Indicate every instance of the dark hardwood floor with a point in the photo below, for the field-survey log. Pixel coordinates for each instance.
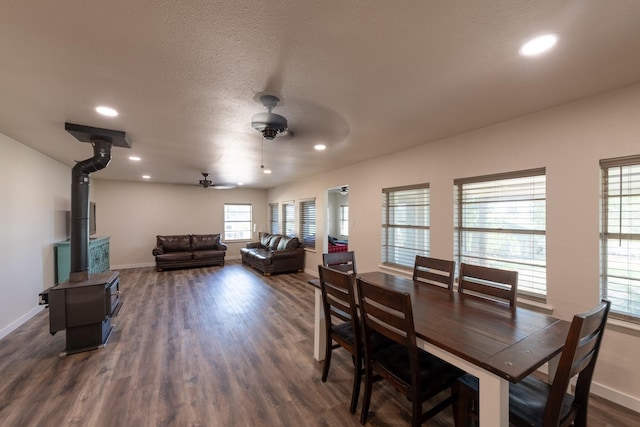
(218, 346)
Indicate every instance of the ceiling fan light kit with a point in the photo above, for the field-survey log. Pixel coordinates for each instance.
(269, 124)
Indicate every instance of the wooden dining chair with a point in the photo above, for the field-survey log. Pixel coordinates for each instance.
(533, 402)
(415, 373)
(341, 261)
(342, 325)
(434, 271)
(489, 283)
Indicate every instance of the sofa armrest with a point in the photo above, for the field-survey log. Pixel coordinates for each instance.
(157, 251)
(222, 247)
(254, 245)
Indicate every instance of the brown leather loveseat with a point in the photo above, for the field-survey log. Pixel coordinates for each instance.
(189, 250)
(274, 253)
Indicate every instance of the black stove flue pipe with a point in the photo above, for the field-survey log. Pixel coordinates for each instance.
(80, 208)
(102, 140)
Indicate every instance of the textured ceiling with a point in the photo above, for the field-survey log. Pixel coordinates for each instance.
(364, 77)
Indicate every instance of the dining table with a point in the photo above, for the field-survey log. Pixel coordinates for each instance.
(496, 343)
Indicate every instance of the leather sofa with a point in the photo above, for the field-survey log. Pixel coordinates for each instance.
(274, 253)
(189, 250)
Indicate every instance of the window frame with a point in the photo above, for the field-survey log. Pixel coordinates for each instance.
(344, 222)
(289, 224)
(392, 232)
(308, 220)
(631, 290)
(249, 222)
(533, 268)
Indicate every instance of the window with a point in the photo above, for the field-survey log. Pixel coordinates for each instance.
(620, 236)
(405, 224)
(344, 220)
(308, 223)
(288, 218)
(274, 224)
(501, 222)
(237, 222)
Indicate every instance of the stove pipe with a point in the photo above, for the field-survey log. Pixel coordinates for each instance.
(102, 140)
(80, 208)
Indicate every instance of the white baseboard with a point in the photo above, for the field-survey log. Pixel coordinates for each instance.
(233, 257)
(125, 266)
(314, 273)
(616, 396)
(20, 321)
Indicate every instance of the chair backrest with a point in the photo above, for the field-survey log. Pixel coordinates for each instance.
(578, 357)
(389, 313)
(338, 298)
(341, 261)
(434, 271)
(490, 283)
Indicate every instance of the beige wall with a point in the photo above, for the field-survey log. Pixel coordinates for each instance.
(34, 196)
(132, 214)
(569, 141)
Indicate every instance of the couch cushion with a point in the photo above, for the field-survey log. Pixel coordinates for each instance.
(273, 242)
(174, 243)
(288, 243)
(207, 254)
(264, 239)
(174, 256)
(201, 242)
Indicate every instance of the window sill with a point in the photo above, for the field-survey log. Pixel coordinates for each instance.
(401, 271)
(621, 326)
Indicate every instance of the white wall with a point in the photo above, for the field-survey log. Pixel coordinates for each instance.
(34, 196)
(569, 141)
(133, 213)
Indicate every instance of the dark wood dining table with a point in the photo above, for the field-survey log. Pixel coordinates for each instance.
(489, 340)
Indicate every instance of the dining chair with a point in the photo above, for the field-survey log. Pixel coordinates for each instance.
(342, 261)
(489, 283)
(533, 402)
(342, 325)
(434, 271)
(412, 371)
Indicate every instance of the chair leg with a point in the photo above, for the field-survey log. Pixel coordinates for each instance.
(463, 401)
(416, 407)
(327, 359)
(357, 379)
(368, 380)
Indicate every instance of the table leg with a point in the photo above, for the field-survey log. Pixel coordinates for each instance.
(319, 333)
(494, 400)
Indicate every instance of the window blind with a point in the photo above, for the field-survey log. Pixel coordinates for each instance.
(274, 224)
(344, 220)
(501, 222)
(288, 218)
(620, 236)
(405, 224)
(308, 223)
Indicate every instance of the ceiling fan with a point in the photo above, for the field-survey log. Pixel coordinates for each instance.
(207, 183)
(269, 124)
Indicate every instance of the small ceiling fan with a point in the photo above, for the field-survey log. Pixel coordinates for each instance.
(207, 183)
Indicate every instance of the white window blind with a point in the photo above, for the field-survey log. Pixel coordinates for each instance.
(620, 236)
(308, 223)
(237, 222)
(344, 220)
(405, 224)
(288, 218)
(274, 224)
(501, 223)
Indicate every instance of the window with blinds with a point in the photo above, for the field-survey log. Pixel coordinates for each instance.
(308, 223)
(620, 236)
(344, 220)
(405, 224)
(500, 222)
(237, 222)
(288, 218)
(274, 223)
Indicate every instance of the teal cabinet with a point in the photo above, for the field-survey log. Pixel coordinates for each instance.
(98, 258)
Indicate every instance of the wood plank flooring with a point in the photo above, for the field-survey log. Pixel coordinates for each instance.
(218, 346)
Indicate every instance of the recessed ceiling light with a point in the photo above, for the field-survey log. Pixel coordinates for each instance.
(241, 183)
(266, 171)
(320, 147)
(146, 177)
(134, 158)
(106, 111)
(539, 45)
